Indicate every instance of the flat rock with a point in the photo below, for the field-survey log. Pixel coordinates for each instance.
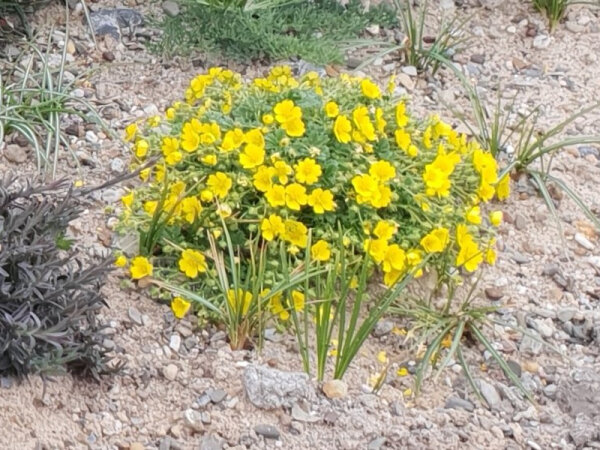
(170, 8)
(335, 389)
(494, 293)
(15, 154)
(583, 241)
(490, 394)
(211, 442)
(455, 402)
(269, 388)
(268, 431)
(170, 372)
(135, 315)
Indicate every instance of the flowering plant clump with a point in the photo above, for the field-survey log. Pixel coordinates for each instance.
(298, 162)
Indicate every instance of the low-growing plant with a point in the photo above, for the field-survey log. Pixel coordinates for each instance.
(526, 146)
(312, 31)
(49, 299)
(35, 100)
(555, 10)
(277, 159)
(421, 48)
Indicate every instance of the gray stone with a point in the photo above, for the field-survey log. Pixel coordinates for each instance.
(170, 372)
(268, 431)
(91, 137)
(550, 391)
(301, 415)
(382, 328)
(566, 314)
(494, 293)
(268, 388)
(490, 394)
(135, 315)
(544, 327)
(583, 241)
(175, 342)
(15, 154)
(193, 420)
(376, 443)
(550, 269)
(170, 8)
(478, 59)
(455, 402)
(541, 41)
(519, 258)
(6, 382)
(531, 345)
(217, 395)
(520, 222)
(211, 442)
(410, 70)
(584, 430)
(117, 165)
(111, 21)
(515, 367)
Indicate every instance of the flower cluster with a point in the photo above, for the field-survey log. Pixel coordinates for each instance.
(309, 161)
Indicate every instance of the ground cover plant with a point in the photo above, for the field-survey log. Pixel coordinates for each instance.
(555, 10)
(285, 176)
(48, 298)
(312, 31)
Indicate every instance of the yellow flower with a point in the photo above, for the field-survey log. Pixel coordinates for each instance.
(153, 121)
(141, 148)
(382, 198)
(332, 109)
(263, 178)
(342, 129)
(382, 171)
(140, 268)
(394, 259)
(224, 210)
(190, 208)
(370, 89)
(320, 251)
(380, 122)
(206, 195)
(130, 131)
(503, 188)
(170, 113)
(469, 255)
(436, 240)
(298, 300)
(276, 306)
(436, 181)
(402, 372)
(401, 117)
(232, 140)
(180, 307)
(496, 218)
(321, 201)
(362, 122)
(376, 248)
(490, 256)
(190, 139)
(290, 117)
(391, 84)
(474, 215)
(268, 119)
(295, 232)
(192, 262)
(382, 357)
(295, 196)
(272, 227)
(276, 196)
(252, 156)
(391, 278)
(169, 145)
(485, 191)
(150, 207)
(403, 140)
(127, 199)
(209, 160)
(209, 133)
(308, 171)
(366, 188)
(282, 170)
(239, 301)
(294, 127)
(385, 230)
(219, 184)
(120, 261)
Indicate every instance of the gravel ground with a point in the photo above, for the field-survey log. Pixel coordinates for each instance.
(183, 388)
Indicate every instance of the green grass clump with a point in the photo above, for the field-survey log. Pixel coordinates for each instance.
(313, 31)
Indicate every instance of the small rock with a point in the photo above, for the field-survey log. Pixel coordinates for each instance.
(455, 402)
(584, 430)
(520, 222)
(410, 70)
(494, 293)
(331, 417)
(376, 443)
(373, 30)
(301, 415)
(15, 154)
(117, 165)
(269, 388)
(550, 391)
(175, 342)
(490, 394)
(406, 81)
(531, 366)
(170, 8)
(108, 56)
(544, 327)
(574, 27)
(170, 372)
(530, 345)
(91, 137)
(566, 314)
(335, 389)
(583, 241)
(352, 63)
(268, 431)
(136, 446)
(78, 93)
(193, 420)
(135, 315)
(541, 41)
(477, 59)
(515, 367)
(382, 328)
(550, 269)
(511, 29)
(71, 47)
(217, 395)
(6, 382)
(211, 442)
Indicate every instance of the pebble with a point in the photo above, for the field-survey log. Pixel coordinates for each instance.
(511, 29)
(175, 342)
(530, 345)
(91, 137)
(217, 395)
(382, 328)
(335, 389)
(490, 394)
(406, 81)
(455, 402)
(301, 415)
(117, 165)
(493, 293)
(108, 56)
(170, 8)
(550, 391)
(376, 443)
(269, 388)
(541, 41)
(566, 314)
(136, 446)
(268, 431)
(6, 382)
(211, 442)
(193, 420)
(520, 222)
(477, 59)
(170, 372)
(410, 70)
(583, 241)
(519, 258)
(574, 27)
(15, 154)
(135, 315)
(515, 367)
